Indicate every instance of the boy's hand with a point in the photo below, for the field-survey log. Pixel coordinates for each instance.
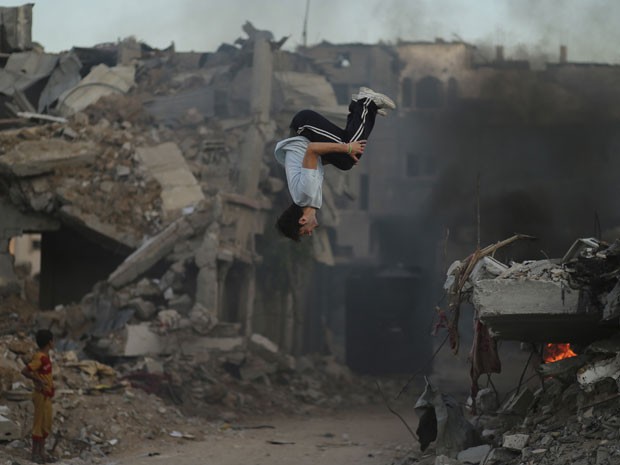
(357, 148)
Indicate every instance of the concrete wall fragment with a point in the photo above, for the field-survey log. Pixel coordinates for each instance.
(179, 187)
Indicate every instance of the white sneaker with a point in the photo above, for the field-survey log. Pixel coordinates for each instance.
(381, 100)
(381, 112)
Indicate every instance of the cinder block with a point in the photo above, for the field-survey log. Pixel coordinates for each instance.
(9, 431)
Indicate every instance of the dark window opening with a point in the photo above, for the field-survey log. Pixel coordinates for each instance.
(429, 93)
(71, 264)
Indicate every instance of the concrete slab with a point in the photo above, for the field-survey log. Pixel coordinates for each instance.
(36, 157)
(515, 441)
(474, 454)
(166, 164)
(142, 341)
(101, 81)
(150, 253)
(90, 223)
(193, 346)
(532, 310)
(590, 374)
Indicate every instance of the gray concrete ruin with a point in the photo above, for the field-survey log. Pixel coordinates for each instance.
(111, 110)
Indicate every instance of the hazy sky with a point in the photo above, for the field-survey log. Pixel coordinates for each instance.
(589, 28)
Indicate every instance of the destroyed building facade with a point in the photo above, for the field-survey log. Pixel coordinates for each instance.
(198, 128)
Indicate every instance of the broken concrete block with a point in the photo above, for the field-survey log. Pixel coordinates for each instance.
(263, 347)
(486, 401)
(152, 365)
(487, 268)
(203, 320)
(150, 253)
(146, 288)
(583, 246)
(565, 368)
(9, 430)
(143, 309)
(171, 320)
(531, 310)
(592, 373)
(499, 456)
(36, 157)
(101, 81)
(73, 215)
(473, 454)
(140, 341)
(515, 442)
(179, 187)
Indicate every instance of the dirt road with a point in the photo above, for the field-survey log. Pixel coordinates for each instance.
(371, 436)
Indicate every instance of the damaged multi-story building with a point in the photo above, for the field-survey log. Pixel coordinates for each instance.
(157, 166)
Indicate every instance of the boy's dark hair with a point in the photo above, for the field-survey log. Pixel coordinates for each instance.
(288, 222)
(44, 337)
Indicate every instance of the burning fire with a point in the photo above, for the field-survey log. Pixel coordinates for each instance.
(555, 352)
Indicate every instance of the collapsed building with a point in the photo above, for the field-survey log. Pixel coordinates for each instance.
(144, 179)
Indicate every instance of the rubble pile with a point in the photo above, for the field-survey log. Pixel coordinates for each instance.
(100, 409)
(120, 191)
(96, 411)
(121, 143)
(567, 412)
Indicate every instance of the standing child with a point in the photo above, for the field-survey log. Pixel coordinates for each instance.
(39, 370)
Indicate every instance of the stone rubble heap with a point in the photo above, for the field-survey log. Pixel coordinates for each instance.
(567, 412)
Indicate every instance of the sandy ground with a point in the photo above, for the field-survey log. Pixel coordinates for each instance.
(369, 435)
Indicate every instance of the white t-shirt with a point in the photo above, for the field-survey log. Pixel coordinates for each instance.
(304, 184)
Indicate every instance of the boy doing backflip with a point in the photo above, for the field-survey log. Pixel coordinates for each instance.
(314, 142)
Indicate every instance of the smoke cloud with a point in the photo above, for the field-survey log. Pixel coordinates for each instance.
(587, 27)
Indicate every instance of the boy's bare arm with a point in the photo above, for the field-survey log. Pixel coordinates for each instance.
(26, 372)
(318, 149)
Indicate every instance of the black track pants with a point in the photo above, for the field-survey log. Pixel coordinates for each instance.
(316, 128)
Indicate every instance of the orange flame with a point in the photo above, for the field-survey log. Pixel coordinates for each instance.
(555, 352)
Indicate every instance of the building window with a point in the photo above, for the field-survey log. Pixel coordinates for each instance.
(429, 93)
(407, 92)
(343, 60)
